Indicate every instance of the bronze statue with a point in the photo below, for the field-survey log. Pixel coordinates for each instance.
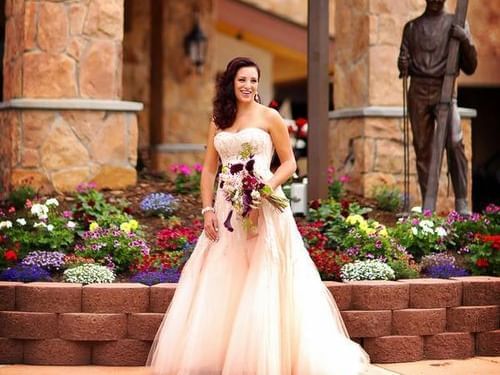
(423, 57)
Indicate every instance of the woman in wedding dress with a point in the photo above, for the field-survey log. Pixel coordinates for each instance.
(250, 301)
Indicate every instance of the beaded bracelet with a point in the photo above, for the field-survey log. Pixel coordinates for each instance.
(206, 209)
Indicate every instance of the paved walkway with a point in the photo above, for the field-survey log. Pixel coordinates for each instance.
(471, 366)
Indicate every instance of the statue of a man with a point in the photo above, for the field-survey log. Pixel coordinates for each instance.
(423, 56)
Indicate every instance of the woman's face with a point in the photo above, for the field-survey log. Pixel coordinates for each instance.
(245, 84)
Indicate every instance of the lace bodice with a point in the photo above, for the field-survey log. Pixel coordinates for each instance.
(229, 145)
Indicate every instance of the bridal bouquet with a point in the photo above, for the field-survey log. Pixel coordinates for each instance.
(244, 188)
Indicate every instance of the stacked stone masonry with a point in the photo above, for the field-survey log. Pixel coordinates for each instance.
(63, 49)
(370, 151)
(58, 149)
(114, 324)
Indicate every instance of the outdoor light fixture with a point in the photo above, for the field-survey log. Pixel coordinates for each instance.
(195, 45)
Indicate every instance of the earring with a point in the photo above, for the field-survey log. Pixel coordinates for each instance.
(257, 98)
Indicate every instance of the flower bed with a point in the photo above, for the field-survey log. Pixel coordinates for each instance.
(114, 324)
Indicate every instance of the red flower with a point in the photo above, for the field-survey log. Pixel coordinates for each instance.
(10, 256)
(482, 263)
(300, 122)
(315, 204)
(274, 104)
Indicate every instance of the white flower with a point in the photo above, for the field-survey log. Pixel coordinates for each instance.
(5, 224)
(441, 232)
(50, 227)
(255, 194)
(426, 223)
(21, 221)
(40, 210)
(52, 202)
(71, 224)
(414, 231)
(417, 209)
(40, 224)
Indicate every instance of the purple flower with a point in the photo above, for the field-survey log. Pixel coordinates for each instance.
(198, 167)
(227, 222)
(445, 271)
(25, 273)
(352, 251)
(49, 260)
(427, 213)
(235, 168)
(67, 214)
(158, 203)
(415, 222)
(378, 244)
(155, 277)
(249, 165)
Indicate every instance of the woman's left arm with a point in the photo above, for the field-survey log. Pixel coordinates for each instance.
(281, 141)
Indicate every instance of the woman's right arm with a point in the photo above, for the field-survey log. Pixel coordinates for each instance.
(207, 181)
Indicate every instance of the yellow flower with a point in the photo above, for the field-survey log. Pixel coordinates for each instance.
(354, 219)
(370, 230)
(134, 224)
(93, 226)
(126, 227)
(384, 233)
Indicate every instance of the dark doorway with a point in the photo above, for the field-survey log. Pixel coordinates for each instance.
(485, 143)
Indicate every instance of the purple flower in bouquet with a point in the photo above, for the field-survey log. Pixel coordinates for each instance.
(244, 188)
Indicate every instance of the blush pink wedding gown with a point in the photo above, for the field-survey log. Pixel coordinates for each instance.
(253, 306)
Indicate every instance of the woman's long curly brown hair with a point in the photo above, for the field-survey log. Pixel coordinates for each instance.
(225, 100)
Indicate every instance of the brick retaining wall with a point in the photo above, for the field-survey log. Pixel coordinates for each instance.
(114, 324)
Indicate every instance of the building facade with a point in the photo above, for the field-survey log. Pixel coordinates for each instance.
(75, 72)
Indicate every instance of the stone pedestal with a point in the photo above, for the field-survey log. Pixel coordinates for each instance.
(367, 145)
(366, 129)
(62, 116)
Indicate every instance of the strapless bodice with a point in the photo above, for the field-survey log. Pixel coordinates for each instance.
(229, 145)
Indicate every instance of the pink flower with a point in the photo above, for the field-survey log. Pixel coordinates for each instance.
(344, 179)
(185, 170)
(11, 210)
(28, 203)
(198, 167)
(67, 214)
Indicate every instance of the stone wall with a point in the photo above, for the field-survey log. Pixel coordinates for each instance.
(114, 324)
(369, 149)
(62, 85)
(58, 149)
(64, 49)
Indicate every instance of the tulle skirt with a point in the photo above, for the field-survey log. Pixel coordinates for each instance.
(253, 306)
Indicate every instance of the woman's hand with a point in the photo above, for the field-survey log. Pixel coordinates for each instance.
(211, 226)
(253, 219)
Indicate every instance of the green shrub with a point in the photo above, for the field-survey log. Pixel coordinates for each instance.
(20, 195)
(388, 198)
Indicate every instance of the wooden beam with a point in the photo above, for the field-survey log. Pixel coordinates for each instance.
(317, 98)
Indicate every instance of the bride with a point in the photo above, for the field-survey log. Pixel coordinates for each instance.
(250, 300)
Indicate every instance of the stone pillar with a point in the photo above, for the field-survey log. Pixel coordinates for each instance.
(62, 115)
(366, 129)
(181, 100)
